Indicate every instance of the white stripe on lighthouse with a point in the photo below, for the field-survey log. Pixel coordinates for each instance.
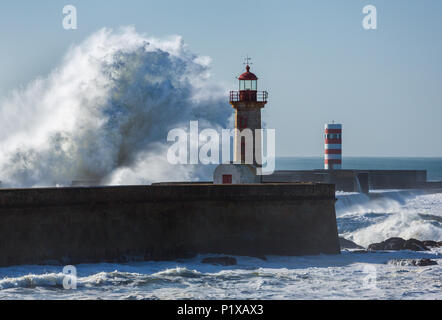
(333, 146)
(332, 157)
(333, 126)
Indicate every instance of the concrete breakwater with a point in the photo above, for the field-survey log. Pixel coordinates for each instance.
(159, 222)
(358, 180)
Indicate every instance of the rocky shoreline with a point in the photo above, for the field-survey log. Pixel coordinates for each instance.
(393, 244)
(396, 244)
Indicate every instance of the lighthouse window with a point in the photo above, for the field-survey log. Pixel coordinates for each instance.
(248, 85)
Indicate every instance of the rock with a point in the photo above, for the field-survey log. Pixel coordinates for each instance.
(360, 251)
(415, 245)
(347, 244)
(426, 262)
(376, 246)
(412, 262)
(394, 244)
(431, 243)
(262, 257)
(220, 261)
(398, 244)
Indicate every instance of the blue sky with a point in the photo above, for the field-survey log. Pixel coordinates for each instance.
(313, 56)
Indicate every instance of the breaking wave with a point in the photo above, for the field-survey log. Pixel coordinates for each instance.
(104, 113)
(33, 281)
(100, 279)
(407, 214)
(178, 272)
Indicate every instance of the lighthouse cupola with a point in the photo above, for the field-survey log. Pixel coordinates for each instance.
(248, 80)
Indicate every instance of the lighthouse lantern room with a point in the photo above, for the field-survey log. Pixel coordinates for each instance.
(248, 89)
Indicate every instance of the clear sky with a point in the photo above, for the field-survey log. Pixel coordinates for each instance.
(313, 56)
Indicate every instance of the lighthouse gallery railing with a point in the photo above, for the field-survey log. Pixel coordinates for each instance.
(248, 95)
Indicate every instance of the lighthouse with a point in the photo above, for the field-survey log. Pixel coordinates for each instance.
(247, 150)
(248, 102)
(333, 146)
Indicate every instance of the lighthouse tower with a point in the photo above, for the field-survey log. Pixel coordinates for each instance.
(333, 146)
(248, 102)
(247, 157)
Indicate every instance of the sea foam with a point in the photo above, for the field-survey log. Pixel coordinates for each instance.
(405, 214)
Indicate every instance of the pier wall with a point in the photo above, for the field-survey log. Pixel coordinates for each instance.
(159, 222)
(356, 180)
(345, 180)
(396, 179)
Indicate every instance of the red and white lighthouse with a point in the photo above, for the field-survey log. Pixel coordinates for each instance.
(247, 158)
(248, 102)
(333, 146)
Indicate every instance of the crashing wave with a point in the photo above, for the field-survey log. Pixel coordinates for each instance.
(104, 113)
(407, 214)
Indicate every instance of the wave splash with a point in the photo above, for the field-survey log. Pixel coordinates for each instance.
(104, 114)
(406, 214)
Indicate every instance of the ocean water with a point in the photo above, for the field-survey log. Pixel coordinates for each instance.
(361, 218)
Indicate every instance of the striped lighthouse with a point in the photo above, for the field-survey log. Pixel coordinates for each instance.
(333, 146)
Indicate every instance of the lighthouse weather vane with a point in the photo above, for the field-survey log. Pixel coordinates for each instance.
(247, 60)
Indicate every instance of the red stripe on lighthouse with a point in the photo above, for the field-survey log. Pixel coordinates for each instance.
(333, 131)
(333, 151)
(332, 161)
(333, 141)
